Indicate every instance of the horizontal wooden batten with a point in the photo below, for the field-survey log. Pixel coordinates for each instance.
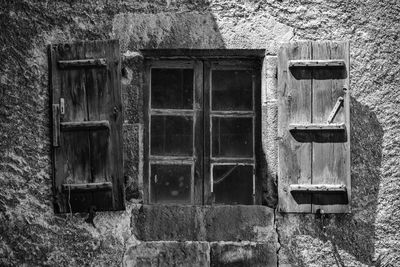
(221, 113)
(85, 125)
(171, 160)
(317, 127)
(87, 187)
(79, 63)
(317, 63)
(233, 161)
(172, 112)
(314, 188)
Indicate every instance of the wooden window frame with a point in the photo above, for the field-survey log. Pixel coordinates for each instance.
(203, 62)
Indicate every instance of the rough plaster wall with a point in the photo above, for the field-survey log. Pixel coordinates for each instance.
(371, 234)
(30, 233)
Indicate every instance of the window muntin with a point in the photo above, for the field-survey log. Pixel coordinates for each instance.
(214, 135)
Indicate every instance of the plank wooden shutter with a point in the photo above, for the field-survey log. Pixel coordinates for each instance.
(314, 127)
(86, 126)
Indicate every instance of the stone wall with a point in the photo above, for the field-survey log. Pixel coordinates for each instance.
(30, 233)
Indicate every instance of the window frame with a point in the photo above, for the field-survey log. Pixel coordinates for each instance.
(203, 62)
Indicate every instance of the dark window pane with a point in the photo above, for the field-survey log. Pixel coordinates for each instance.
(233, 184)
(172, 88)
(171, 135)
(232, 90)
(170, 183)
(232, 137)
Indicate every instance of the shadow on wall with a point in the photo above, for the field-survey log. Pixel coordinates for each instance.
(167, 30)
(351, 237)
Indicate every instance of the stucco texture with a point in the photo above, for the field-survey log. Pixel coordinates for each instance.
(30, 232)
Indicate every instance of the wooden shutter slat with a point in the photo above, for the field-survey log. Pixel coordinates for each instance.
(85, 125)
(97, 62)
(329, 158)
(294, 106)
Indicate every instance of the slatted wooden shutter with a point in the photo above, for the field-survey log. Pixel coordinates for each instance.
(314, 127)
(87, 126)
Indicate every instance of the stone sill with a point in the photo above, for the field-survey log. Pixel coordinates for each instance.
(203, 223)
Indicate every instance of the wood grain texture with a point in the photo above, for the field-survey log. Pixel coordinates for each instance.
(198, 133)
(90, 149)
(316, 63)
(318, 188)
(294, 106)
(87, 186)
(98, 62)
(311, 151)
(208, 195)
(329, 158)
(317, 127)
(85, 125)
(56, 124)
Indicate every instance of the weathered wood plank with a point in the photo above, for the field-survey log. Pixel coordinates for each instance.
(233, 113)
(114, 113)
(75, 152)
(329, 159)
(294, 106)
(317, 127)
(56, 124)
(146, 135)
(317, 63)
(208, 195)
(98, 98)
(172, 112)
(85, 125)
(79, 63)
(317, 188)
(198, 134)
(87, 186)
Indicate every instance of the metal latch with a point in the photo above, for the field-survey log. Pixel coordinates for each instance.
(62, 106)
(335, 109)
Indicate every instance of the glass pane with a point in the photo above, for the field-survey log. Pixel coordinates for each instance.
(233, 184)
(171, 135)
(232, 137)
(232, 90)
(170, 183)
(172, 88)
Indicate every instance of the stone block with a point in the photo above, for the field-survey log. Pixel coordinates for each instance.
(131, 134)
(242, 254)
(237, 223)
(168, 222)
(167, 253)
(204, 223)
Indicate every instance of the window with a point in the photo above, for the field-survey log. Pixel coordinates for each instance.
(202, 121)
